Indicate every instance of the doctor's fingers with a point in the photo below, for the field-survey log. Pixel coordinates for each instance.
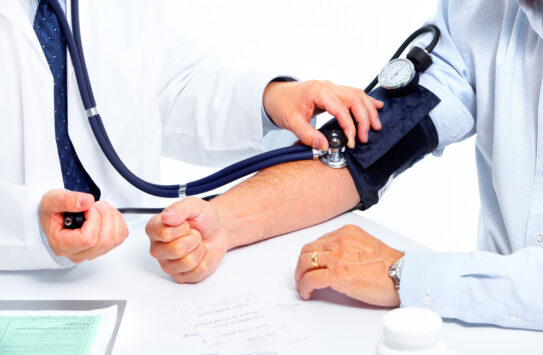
(60, 201)
(66, 242)
(185, 264)
(307, 134)
(113, 231)
(365, 113)
(177, 248)
(335, 106)
(363, 109)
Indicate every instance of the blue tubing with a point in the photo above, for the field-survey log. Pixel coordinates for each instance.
(211, 182)
(171, 191)
(77, 39)
(74, 53)
(247, 162)
(307, 154)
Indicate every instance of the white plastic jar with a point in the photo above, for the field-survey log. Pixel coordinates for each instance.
(412, 331)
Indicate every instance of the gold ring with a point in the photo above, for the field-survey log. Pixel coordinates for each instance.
(314, 260)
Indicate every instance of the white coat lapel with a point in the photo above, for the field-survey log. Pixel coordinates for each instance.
(13, 10)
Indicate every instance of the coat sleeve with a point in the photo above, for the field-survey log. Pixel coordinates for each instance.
(22, 244)
(211, 114)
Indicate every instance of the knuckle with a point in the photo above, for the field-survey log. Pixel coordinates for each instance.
(342, 239)
(167, 267)
(180, 249)
(154, 252)
(351, 228)
(305, 249)
(178, 278)
(190, 261)
(88, 241)
(340, 271)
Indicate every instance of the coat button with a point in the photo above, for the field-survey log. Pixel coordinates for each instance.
(539, 238)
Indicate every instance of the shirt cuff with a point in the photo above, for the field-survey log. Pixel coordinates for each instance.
(267, 123)
(430, 280)
(62, 261)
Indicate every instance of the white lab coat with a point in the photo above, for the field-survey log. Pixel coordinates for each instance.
(155, 94)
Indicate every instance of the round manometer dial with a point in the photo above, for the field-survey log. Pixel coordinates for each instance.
(397, 74)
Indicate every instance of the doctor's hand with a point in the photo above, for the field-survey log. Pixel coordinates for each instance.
(291, 105)
(352, 262)
(188, 239)
(104, 227)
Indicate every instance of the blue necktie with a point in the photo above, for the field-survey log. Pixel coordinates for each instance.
(53, 43)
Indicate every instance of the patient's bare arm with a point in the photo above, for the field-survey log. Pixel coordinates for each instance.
(190, 237)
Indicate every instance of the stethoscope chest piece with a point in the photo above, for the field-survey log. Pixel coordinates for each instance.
(335, 156)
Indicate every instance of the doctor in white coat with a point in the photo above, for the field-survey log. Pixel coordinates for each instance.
(157, 96)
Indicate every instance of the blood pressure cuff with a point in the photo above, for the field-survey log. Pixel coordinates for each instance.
(407, 135)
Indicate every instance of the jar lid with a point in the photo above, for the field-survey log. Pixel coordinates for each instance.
(412, 328)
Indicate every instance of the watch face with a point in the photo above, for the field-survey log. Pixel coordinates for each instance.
(397, 74)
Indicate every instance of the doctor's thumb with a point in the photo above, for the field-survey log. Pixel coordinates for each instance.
(57, 201)
(310, 136)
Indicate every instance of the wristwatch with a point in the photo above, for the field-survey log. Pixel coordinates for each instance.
(395, 272)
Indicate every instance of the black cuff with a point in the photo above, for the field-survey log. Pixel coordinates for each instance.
(407, 135)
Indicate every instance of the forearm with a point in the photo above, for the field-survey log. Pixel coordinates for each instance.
(285, 198)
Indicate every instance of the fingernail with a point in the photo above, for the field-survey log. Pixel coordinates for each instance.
(320, 144)
(83, 200)
(168, 214)
(378, 125)
(350, 142)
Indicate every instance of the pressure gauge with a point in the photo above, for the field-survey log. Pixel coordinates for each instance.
(398, 75)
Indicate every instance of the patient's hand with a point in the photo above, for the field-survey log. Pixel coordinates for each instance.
(351, 262)
(188, 239)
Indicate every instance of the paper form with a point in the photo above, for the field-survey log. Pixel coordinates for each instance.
(243, 325)
(56, 332)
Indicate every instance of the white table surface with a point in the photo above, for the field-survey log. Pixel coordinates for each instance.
(151, 324)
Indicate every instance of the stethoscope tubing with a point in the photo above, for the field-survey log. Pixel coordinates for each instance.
(217, 179)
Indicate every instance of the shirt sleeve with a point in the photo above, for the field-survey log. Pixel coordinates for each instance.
(22, 245)
(449, 78)
(479, 287)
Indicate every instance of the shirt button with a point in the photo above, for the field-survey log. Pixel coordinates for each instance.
(513, 319)
(427, 300)
(539, 238)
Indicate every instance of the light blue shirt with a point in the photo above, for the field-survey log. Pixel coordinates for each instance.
(488, 70)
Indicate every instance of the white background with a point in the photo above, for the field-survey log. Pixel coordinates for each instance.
(346, 41)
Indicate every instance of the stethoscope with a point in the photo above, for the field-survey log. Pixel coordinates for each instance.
(333, 158)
